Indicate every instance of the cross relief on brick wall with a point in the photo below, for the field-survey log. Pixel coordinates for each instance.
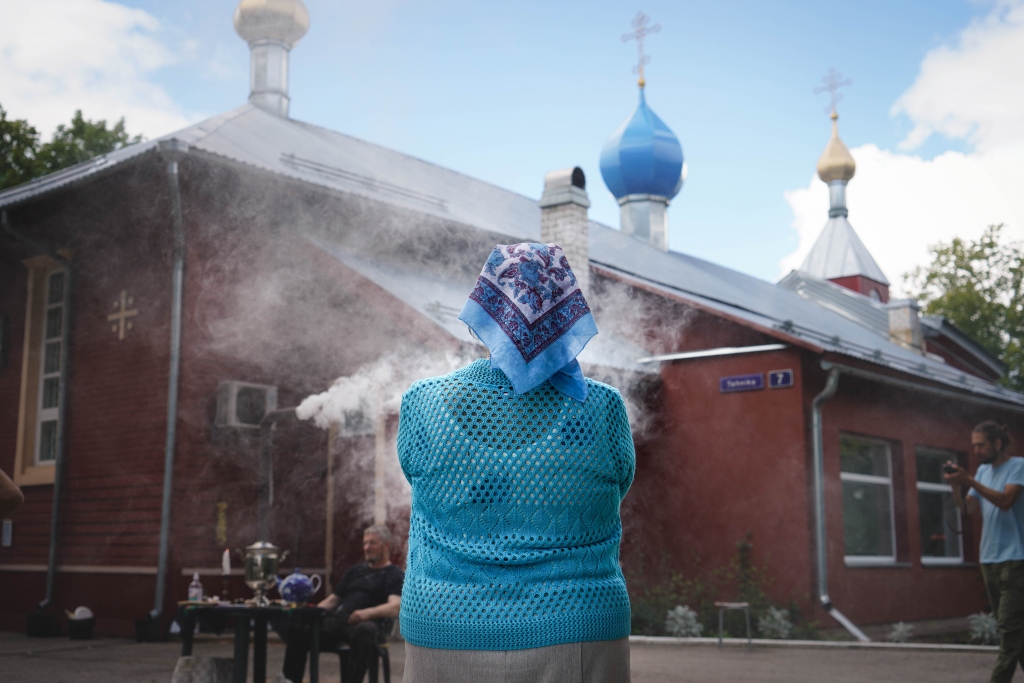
(120, 316)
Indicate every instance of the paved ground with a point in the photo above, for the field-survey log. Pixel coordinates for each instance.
(106, 660)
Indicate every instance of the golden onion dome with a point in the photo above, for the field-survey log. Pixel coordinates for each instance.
(836, 162)
(281, 20)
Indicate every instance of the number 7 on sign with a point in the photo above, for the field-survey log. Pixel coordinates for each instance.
(780, 379)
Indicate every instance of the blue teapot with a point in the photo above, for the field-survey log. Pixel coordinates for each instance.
(298, 587)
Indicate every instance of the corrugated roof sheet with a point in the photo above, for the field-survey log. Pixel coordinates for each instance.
(440, 300)
(315, 155)
(849, 304)
(769, 306)
(938, 326)
(329, 159)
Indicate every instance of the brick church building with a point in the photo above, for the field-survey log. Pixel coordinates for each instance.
(165, 307)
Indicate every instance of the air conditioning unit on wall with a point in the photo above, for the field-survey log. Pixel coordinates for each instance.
(244, 405)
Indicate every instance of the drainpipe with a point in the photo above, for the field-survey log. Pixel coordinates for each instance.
(172, 151)
(819, 505)
(266, 468)
(62, 402)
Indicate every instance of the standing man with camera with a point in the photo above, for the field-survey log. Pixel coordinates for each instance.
(995, 488)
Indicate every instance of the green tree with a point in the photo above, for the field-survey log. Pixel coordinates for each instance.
(977, 286)
(22, 158)
(81, 141)
(18, 144)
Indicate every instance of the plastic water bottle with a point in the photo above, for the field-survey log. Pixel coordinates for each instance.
(195, 589)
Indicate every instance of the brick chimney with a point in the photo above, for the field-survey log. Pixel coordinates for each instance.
(905, 324)
(563, 219)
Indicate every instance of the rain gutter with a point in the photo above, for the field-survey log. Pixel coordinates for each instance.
(922, 388)
(707, 353)
(819, 504)
(62, 402)
(172, 151)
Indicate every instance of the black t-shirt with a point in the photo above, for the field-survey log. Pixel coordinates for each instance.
(361, 587)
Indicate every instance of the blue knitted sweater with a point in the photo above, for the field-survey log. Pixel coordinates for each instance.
(514, 532)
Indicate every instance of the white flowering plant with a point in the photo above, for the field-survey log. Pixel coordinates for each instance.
(900, 633)
(775, 624)
(983, 628)
(681, 622)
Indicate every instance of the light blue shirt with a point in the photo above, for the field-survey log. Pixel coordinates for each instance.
(1002, 531)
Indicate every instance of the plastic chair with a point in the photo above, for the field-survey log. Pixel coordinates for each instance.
(383, 657)
(722, 606)
(388, 627)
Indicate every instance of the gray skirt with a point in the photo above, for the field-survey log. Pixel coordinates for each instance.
(601, 661)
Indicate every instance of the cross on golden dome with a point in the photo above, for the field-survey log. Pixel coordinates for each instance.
(833, 81)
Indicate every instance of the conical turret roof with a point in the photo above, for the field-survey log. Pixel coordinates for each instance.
(840, 253)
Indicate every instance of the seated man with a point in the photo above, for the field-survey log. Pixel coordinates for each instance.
(365, 601)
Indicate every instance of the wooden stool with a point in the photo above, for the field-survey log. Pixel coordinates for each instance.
(722, 606)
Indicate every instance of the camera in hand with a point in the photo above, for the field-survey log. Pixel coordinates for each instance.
(950, 468)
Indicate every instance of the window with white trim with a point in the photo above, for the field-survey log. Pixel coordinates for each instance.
(49, 372)
(41, 372)
(869, 528)
(941, 539)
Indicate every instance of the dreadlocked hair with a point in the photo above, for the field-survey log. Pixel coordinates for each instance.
(992, 431)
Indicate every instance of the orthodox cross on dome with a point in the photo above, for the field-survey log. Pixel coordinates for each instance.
(641, 29)
(121, 314)
(833, 81)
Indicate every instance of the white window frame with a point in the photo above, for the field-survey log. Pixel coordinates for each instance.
(48, 414)
(940, 488)
(867, 560)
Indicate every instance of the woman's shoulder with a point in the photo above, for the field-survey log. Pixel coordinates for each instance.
(429, 387)
(602, 392)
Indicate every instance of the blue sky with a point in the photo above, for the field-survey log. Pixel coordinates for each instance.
(507, 91)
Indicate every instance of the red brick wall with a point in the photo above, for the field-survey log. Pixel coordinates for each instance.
(234, 328)
(725, 466)
(863, 285)
(906, 420)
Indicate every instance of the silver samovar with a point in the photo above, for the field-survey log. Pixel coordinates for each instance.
(261, 560)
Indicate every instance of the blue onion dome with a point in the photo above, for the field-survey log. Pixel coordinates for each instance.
(643, 156)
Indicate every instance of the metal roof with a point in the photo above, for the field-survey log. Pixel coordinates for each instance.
(440, 299)
(847, 303)
(333, 160)
(745, 298)
(937, 326)
(322, 157)
(840, 253)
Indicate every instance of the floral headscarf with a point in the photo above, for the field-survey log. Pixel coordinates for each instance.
(529, 310)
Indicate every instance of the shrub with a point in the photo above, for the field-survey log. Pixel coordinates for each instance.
(983, 628)
(775, 624)
(682, 622)
(900, 632)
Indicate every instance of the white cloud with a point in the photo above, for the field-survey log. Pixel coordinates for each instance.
(900, 203)
(973, 90)
(57, 56)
